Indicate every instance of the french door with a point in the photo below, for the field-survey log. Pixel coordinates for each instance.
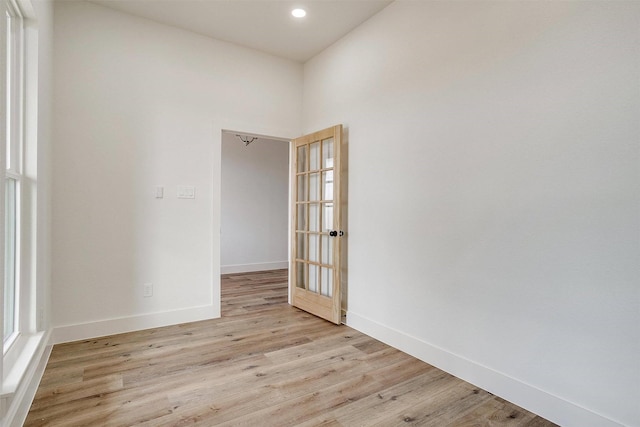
(316, 232)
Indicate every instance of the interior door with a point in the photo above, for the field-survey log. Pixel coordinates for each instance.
(316, 233)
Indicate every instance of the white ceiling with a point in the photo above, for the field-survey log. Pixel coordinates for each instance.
(265, 25)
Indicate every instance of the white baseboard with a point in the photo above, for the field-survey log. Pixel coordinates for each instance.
(546, 405)
(247, 268)
(67, 333)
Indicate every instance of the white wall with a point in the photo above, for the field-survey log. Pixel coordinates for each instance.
(255, 204)
(494, 200)
(139, 104)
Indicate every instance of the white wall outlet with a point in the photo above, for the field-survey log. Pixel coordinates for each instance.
(147, 290)
(159, 192)
(186, 192)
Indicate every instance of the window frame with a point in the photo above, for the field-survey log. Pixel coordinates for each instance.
(14, 146)
(15, 97)
(9, 339)
(32, 328)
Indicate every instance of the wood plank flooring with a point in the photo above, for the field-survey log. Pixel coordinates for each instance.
(264, 363)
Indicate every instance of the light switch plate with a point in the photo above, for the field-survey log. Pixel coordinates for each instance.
(186, 192)
(147, 290)
(159, 192)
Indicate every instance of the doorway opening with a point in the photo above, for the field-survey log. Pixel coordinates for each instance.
(254, 221)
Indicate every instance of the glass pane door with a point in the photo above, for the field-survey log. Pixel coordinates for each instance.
(316, 237)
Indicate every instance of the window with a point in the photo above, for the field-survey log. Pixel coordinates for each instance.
(24, 339)
(13, 148)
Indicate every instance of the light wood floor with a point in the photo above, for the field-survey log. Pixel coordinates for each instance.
(263, 363)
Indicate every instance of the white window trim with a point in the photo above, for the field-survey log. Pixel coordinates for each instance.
(16, 142)
(29, 343)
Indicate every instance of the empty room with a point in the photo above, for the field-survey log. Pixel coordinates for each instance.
(320, 212)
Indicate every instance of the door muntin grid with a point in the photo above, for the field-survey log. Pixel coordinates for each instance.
(314, 206)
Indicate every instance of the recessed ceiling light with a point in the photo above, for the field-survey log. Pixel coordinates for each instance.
(299, 13)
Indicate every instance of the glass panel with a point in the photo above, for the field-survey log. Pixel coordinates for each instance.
(301, 247)
(300, 275)
(302, 158)
(327, 217)
(314, 186)
(327, 250)
(314, 156)
(10, 258)
(10, 86)
(327, 185)
(314, 247)
(314, 217)
(327, 153)
(313, 278)
(302, 188)
(302, 217)
(327, 281)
